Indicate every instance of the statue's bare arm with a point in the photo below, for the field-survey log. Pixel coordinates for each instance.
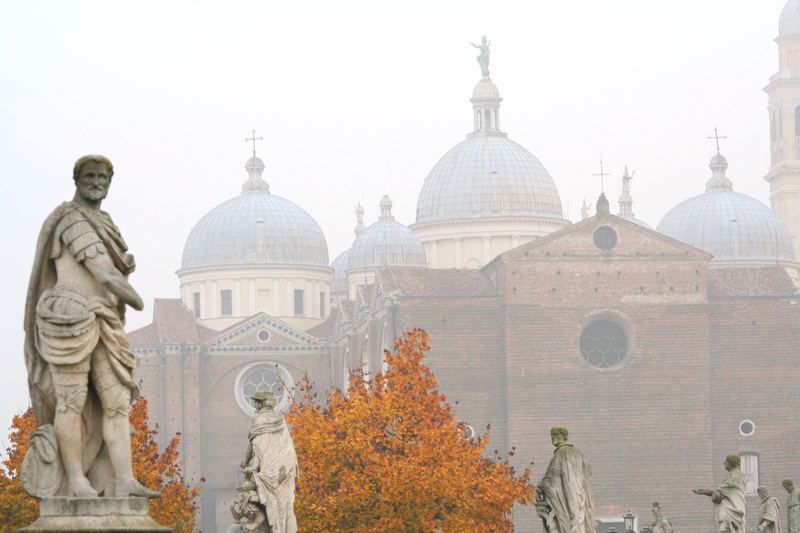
(106, 273)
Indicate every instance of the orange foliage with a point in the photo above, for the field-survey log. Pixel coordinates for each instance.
(176, 508)
(390, 456)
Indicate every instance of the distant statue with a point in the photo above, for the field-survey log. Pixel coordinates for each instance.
(661, 525)
(79, 363)
(483, 57)
(728, 498)
(769, 520)
(564, 498)
(792, 506)
(270, 469)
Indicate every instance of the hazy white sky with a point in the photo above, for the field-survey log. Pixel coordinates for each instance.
(354, 100)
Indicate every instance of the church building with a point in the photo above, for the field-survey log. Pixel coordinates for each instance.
(662, 350)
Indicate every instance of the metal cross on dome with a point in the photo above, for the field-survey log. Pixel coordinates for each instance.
(254, 139)
(717, 137)
(601, 174)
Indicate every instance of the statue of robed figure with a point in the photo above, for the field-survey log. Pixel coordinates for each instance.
(483, 56)
(728, 498)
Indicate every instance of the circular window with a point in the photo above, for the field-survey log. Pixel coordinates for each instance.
(747, 428)
(604, 343)
(263, 335)
(263, 376)
(605, 237)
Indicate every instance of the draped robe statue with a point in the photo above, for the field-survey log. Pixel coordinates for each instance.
(564, 499)
(769, 520)
(265, 501)
(661, 525)
(792, 506)
(728, 498)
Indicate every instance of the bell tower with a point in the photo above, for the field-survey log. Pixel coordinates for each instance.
(784, 124)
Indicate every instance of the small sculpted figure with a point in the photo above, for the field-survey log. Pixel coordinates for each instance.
(270, 469)
(792, 506)
(769, 520)
(80, 365)
(483, 57)
(564, 498)
(728, 498)
(661, 525)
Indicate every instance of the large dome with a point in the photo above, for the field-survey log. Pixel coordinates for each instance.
(730, 225)
(488, 176)
(789, 23)
(386, 243)
(255, 228)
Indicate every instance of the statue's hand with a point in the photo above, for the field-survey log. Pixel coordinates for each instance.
(702, 492)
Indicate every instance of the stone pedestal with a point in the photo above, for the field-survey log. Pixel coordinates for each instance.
(93, 515)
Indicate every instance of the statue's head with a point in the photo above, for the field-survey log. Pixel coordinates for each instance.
(762, 492)
(788, 484)
(483, 39)
(656, 510)
(92, 176)
(263, 400)
(732, 461)
(558, 435)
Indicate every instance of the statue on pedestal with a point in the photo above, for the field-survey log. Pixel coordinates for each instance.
(80, 365)
(483, 57)
(265, 499)
(564, 499)
(792, 506)
(661, 525)
(769, 520)
(728, 498)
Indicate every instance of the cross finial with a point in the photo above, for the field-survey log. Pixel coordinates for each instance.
(717, 137)
(254, 139)
(601, 174)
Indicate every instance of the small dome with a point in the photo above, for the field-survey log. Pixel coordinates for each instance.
(729, 225)
(485, 89)
(789, 23)
(386, 243)
(488, 176)
(255, 228)
(339, 267)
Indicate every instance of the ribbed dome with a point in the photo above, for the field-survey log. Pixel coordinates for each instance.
(727, 224)
(485, 89)
(386, 243)
(488, 176)
(255, 228)
(339, 266)
(789, 23)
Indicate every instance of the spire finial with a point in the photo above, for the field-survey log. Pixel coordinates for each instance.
(254, 139)
(717, 137)
(359, 229)
(601, 174)
(386, 210)
(625, 198)
(584, 210)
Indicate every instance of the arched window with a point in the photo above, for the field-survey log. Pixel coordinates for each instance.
(797, 121)
(604, 343)
(345, 369)
(365, 358)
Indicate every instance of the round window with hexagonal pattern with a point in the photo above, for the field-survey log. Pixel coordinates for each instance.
(263, 376)
(604, 343)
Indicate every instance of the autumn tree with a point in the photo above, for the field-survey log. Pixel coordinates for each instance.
(389, 456)
(176, 508)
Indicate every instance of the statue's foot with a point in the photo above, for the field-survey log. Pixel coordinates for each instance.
(130, 487)
(81, 488)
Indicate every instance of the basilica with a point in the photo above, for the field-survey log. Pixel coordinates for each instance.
(661, 349)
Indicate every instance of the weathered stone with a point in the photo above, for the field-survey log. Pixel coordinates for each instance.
(94, 515)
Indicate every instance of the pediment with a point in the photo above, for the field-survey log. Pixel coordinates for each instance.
(632, 241)
(248, 332)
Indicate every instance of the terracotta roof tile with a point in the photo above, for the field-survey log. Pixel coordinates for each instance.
(327, 328)
(174, 321)
(143, 336)
(750, 281)
(423, 282)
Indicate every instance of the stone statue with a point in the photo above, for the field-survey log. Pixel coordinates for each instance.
(564, 498)
(80, 366)
(661, 525)
(792, 506)
(769, 521)
(483, 57)
(728, 498)
(265, 500)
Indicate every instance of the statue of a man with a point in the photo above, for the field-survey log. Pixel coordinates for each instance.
(564, 498)
(80, 365)
(769, 521)
(483, 57)
(271, 462)
(661, 525)
(792, 506)
(728, 498)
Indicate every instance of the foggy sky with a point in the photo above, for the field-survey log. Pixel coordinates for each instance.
(356, 100)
